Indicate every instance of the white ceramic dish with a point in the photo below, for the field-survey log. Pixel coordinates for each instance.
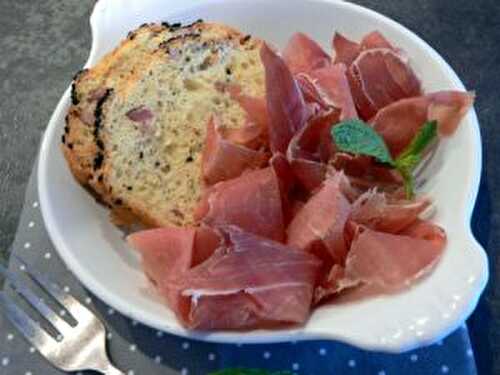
(95, 251)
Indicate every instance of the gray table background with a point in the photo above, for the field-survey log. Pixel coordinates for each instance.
(43, 43)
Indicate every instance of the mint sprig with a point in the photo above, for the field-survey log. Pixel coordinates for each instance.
(358, 137)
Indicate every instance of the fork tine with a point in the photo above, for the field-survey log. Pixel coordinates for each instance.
(60, 324)
(23, 322)
(75, 308)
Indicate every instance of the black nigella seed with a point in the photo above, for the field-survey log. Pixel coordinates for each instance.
(63, 138)
(98, 161)
(157, 164)
(129, 188)
(100, 178)
(189, 159)
(245, 39)
(228, 71)
(70, 146)
(141, 155)
(118, 201)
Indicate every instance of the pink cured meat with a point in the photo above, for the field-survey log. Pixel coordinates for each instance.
(304, 151)
(374, 211)
(251, 201)
(248, 282)
(318, 226)
(170, 251)
(391, 261)
(379, 77)
(164, 250)
(375, 39)
(378, 73)
(286, 107)
(303, 55)
(287, 183)
(332, 81)
(346, 50)
(223, 160)
(399, 122)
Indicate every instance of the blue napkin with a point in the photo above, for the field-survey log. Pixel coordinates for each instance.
(139, 350)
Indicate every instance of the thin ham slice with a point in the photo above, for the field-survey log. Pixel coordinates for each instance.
(378, 73)
(332, 87)
(164, 250)
(379, 77)
(375, 39)
(391, 261)
(251, 201)
(170, 251)
(374, 210)
(249, 281)
(223, 159)
(287, 183)
(302, 54)
(304, 150)
(318, 226)
(399, 122)
(346, 50)
(286, 107)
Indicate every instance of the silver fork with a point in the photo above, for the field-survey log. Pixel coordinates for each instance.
(76, 347)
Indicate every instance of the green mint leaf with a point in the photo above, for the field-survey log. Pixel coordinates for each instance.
(357, 137)
(409, 182)
(424, 137)
(411, 156)
(242, 371)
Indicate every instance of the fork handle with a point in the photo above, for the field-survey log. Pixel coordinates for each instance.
(111, 370)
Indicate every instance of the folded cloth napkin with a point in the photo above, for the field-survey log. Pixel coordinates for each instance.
(139, 350)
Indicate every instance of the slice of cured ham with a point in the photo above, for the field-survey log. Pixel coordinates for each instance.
(393, 261)
(379, 77)
(333, 81)
(346, 50)
(223, 159)
(302, 54)
(304, 151)
(251, 201)
(318, 226)
(375, 211)
(378, 73)
(399, 122)
(249, 281)
(170, 251)
(286, 107)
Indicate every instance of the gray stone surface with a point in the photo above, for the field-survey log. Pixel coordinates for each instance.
(42, 43)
